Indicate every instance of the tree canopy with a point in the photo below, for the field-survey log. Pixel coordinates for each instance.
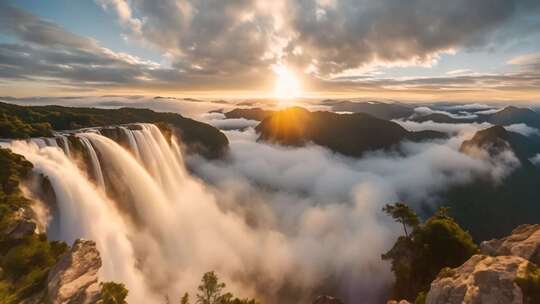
(418, 257)
(402, 214)
(211, 291)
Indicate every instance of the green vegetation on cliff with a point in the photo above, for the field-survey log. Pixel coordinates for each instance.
(34, 121)
(419, 256)
(13, 168)
(529, 282)
(25, 257)
(113, 293)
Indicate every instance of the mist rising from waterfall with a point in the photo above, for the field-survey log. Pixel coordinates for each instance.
(275, 223)
(158, 229)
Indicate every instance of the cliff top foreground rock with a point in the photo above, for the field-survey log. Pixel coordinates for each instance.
(523, 242)
(482, 279)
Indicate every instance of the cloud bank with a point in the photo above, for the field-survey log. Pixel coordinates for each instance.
(320, 201)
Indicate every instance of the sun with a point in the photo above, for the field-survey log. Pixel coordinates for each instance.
(287, 85)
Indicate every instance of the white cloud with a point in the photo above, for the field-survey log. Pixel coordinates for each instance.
(523, 129)
(459, 72)
(427, 110)
(322, 201)
(461, 129)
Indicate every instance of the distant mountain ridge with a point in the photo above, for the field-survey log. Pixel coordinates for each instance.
(496, 139)
(508, 116)
(35, 121)
(251, 113)
(348, 134)
(489, 209)
(378, 109)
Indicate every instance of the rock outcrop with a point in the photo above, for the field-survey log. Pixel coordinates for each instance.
(73, 280)
(493, 276)
(523, 242)
(482, 279)
(20, 226)
(327, 300)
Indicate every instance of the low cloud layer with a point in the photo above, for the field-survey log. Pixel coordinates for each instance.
(321, 202)
(218, 120)
(282, 224)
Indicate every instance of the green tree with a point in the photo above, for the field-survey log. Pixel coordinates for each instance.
(113, 293)
(402, 214)
(210, 290)
(185, 299)
(417, 258)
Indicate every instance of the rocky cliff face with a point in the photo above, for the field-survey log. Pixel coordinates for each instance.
(482, 279)
(491, 277)
(523, 242)
(73, 280)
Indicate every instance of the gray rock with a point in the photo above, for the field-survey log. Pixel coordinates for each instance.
(482, 279)
(523, 242)
(73, 280)
(20, 225)
(20, 229)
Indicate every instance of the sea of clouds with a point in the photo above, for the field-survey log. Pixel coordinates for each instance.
(296, 222)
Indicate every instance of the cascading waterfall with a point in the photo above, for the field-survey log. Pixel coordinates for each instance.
(87, 213)
(141, 206)
(96, 167)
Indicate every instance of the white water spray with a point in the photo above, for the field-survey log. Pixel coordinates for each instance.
(159, 229)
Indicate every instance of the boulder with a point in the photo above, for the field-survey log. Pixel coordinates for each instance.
(523, 242)
(482, 279)
(327, 300)
(73, 280)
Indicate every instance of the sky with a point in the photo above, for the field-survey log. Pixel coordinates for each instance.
(436, 50)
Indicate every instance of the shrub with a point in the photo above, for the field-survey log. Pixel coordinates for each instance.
(417, 258)
(529, 282)
(113, 293)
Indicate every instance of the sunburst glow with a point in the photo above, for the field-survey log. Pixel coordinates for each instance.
(287, 85)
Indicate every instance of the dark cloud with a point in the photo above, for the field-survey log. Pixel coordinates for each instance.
(45, 51)
(509, 81)
(220, 45)
(332, 35)
(208, 36)
(346, 34)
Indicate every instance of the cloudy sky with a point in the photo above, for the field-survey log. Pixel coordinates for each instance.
(461, 50)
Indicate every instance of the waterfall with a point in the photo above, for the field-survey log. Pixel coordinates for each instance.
(131, 140)
(96, 167)
(85, 212)
(158, 229)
